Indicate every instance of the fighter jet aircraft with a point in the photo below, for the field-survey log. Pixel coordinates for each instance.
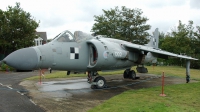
(81, 52)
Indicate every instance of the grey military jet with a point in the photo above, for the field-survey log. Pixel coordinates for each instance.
(81, 52)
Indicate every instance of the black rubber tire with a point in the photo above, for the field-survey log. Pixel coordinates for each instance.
(146, 70)
(132, 75)
(93, 87)
(101, 82)
(126, 75)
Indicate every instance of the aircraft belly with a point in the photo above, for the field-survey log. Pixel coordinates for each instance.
(121, 64)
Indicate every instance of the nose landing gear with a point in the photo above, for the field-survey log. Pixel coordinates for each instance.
(96, 81)
(99, 82)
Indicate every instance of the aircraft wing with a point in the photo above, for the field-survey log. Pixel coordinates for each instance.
(159, 52)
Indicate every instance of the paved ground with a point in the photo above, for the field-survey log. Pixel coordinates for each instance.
(75, 95)
(13, 97)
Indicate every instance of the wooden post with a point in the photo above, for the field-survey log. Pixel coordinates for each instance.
(163, 80)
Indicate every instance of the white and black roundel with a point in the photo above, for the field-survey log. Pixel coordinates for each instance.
(74, 53)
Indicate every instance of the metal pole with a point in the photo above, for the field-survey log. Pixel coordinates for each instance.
(187, 71)
(40, 76)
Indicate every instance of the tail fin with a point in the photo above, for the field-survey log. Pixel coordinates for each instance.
(154, 40)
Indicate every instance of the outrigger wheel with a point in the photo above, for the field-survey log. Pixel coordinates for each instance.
(100, 82)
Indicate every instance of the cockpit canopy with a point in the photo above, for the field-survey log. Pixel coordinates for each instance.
(76, 36)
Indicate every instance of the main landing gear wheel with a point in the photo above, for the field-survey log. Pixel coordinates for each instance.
(132, 74)
(125, 74)
(100, 82)
(129, 74)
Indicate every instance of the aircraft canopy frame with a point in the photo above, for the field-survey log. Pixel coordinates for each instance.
(68, 36)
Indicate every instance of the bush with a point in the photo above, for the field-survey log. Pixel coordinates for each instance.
(195, 64)
(148, 64)
(5, 67)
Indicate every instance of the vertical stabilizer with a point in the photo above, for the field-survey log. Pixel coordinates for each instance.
(154, 39)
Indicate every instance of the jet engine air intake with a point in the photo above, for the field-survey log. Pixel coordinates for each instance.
(93, 55)
(98, 54)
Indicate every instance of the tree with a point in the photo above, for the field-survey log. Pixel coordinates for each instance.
(178, 41)
(17, 29)
(182, 40)
(196, 41)
(126, 24)
(195, 44)
(161, 38)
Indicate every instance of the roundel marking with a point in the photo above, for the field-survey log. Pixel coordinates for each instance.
(105, 55)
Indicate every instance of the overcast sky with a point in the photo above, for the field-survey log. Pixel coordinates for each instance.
(56, 16)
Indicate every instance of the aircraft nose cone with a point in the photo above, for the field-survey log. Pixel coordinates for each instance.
(22, 59)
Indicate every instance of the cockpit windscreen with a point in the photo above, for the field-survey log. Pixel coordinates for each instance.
(68, 36)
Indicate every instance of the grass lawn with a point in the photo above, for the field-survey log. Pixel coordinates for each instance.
(180, 98)
(174, 71)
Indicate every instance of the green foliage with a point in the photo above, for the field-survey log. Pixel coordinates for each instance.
(178, 40)
(182, 40)
(5, 67)
(126, 24)
(17, 29)
(161, 38)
